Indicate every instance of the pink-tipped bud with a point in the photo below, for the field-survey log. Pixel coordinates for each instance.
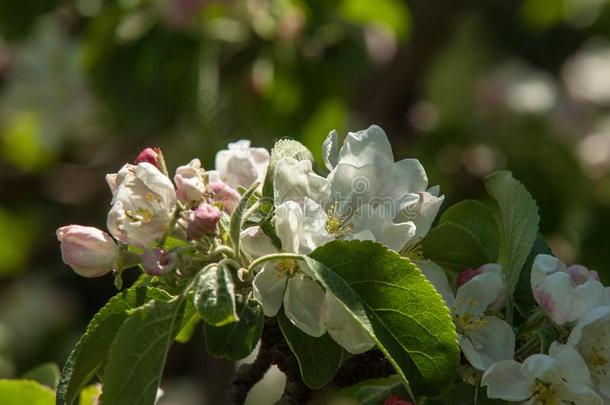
(157, 262)
(150, 155)
(580, 274)
(396, 400)
(202, 221)
(465, 276)
(89, 251)
(223, 193)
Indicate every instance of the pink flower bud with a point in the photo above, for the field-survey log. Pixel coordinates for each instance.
(202, 221)
(89, 251)
(157, 262)
(396, 400)
(465, 276)
(150, 155)
(223, 193)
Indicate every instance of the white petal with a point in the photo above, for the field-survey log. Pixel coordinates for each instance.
(255, 243)
(314, 226)
(599, 314)
(494, 341)
(543, 266)
(504, 380)
(157, 182)
(422, 211)
(344, 329)
(380, 222)
(364, 147)
(295, 180)
(579, 394)
(541, 367)
(304, 305)
(554, 295)
(477, 294)
(330, 150)
(268, 288)
(573, 367)
(437, 276)
(404, 177)
(288, 222)
(352, 186)
(585, 297)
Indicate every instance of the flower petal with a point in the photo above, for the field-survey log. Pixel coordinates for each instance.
(344, 329)
(586, 296)
(479, 293)
(255, 243)
(379, 221)
(422, 210)
(295, 180)
(330, 150)
(268, 288)
(289, 225)
(304, 305)
(368, 146)
(543, 266)
(542, 367)
(493, 342)
(572, 365)
(504, 380)
(554, 295)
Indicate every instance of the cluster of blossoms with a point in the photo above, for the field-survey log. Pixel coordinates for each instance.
(172, 229)
(308, 209)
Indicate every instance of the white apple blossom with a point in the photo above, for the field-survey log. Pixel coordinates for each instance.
(241, 164)
(89, 251)
(560, 378)
(287, 282)
(566, 293)
(367, 195)
(591, 337)
(190, 183)
(484, 339)
(142, 204)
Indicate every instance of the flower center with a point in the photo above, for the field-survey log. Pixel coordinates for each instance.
(468, 323)
(287, 267)
(141, 215)
(598, 361)
(544, 394)
(337, 223)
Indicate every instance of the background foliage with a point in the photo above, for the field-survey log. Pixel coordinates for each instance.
(467, 87)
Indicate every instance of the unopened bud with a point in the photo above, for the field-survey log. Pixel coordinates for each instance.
(89, 251)
(149, 155)
(465, 276)
(580, 274)
(202, 221)
(223, 193)
(157, 262)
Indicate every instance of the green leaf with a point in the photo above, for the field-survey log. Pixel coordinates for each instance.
(235, 223)
(137, 356)
(396, 305)
(89, 354)
(214, 296)
(453, 247)
(319, 358)
(236, 340)
(518, 223)
(479, 219)
(523, 298)
(284, 148)
(462, 394)
(25, 392)
(45, 374)
(188, 328)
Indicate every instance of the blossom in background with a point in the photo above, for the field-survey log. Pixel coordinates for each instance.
(202, 221)
(89, 251)
(142, 204)
(484, 339)
(591, 337)
(566, 293)
(562, 377)
(241, 164)
(190, 183)
(223, 195)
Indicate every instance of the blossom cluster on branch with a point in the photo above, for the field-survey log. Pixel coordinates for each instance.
(346, 258)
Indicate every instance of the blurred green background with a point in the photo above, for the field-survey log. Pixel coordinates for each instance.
(466, 86)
